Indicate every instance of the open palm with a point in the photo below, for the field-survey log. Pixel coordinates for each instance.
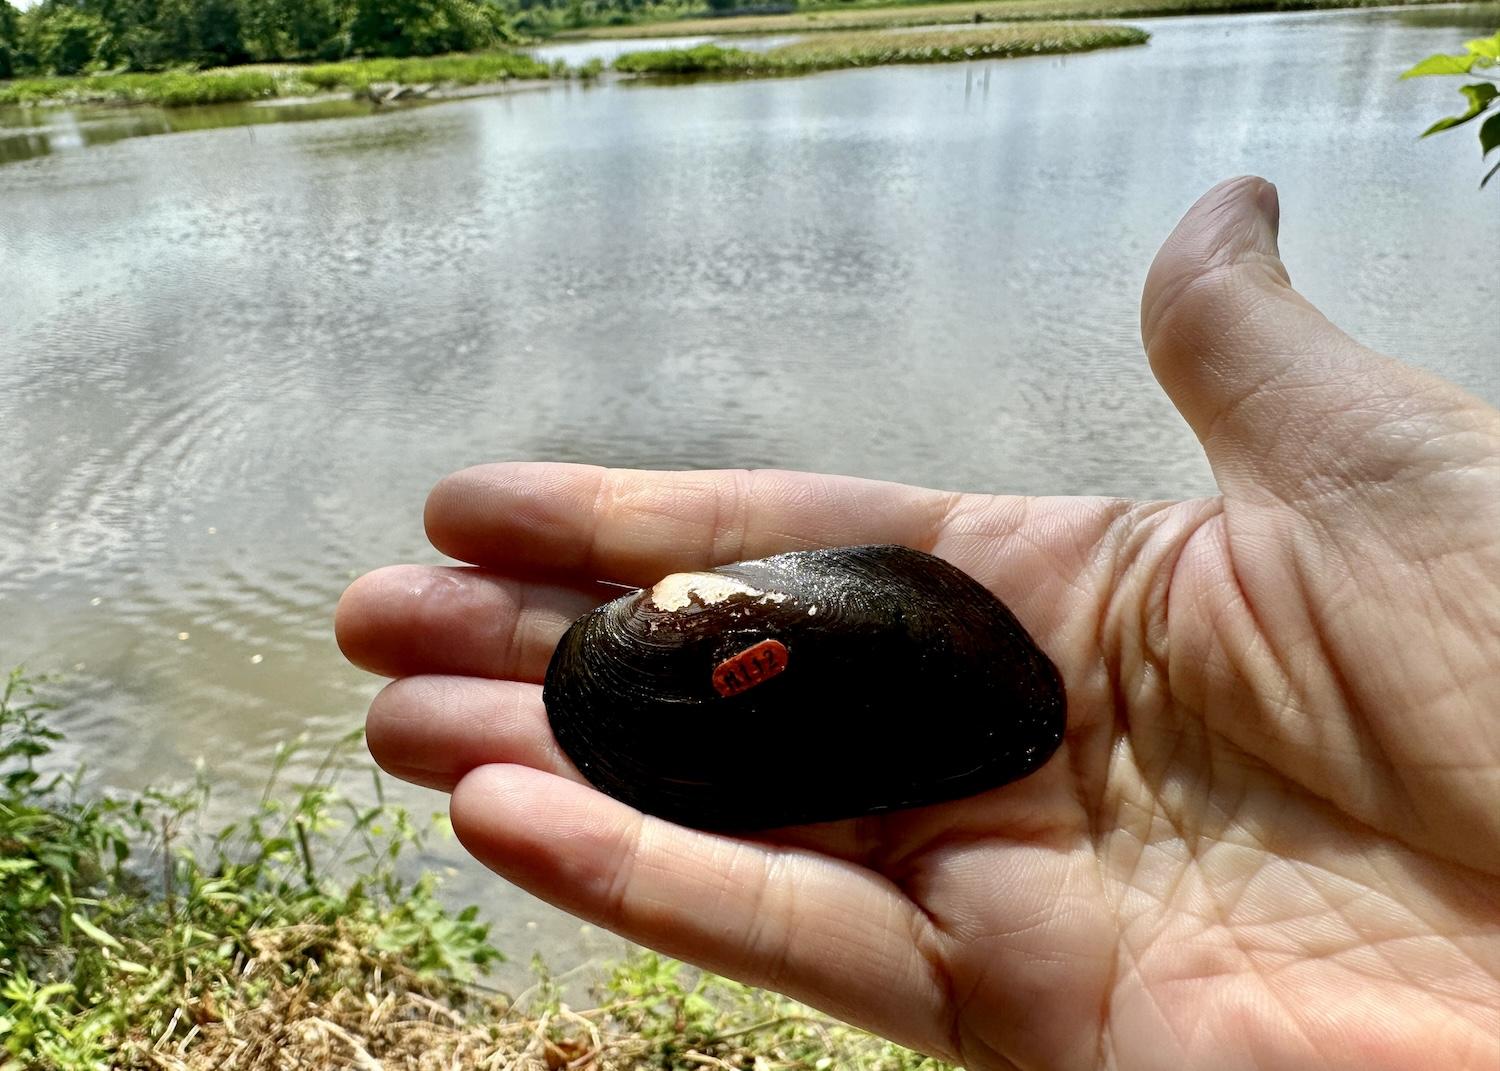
(1271, 838)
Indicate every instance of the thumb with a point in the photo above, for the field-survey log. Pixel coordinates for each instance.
(1286, 405)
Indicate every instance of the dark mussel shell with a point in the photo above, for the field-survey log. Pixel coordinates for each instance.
(803, 687)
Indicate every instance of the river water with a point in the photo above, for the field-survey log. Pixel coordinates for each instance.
(233, 360)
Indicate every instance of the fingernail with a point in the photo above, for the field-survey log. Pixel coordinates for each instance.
(1269, 203)
(1252, 213)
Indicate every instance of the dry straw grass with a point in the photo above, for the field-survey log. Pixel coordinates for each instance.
(362, 1010)
(354, 1008)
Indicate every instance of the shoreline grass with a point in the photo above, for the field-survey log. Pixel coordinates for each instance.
(942, 12)
(297, 936)
(829, 52)
(459, 69)
(225, 85)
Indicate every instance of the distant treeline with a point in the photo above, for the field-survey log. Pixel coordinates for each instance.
(73, 36)
(78, 36)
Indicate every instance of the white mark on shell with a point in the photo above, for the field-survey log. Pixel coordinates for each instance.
(677, 592)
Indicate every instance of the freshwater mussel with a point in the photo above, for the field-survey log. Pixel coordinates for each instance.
(803, 687)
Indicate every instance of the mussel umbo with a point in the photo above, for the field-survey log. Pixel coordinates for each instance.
(804, 687)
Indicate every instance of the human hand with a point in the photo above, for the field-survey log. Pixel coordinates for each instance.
(1271, 838)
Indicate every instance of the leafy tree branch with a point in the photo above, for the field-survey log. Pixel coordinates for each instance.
(1481, 53)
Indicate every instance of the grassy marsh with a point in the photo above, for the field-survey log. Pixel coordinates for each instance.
(463, 69)
(828, 52)
(941, 13)
(165, 88)
(230, 84)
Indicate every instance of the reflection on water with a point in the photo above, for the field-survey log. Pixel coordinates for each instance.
(232, 361)
(1482, 18)
(28, 132)
(37, 131)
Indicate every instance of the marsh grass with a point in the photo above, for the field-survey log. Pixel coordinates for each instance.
(165, 88)
(874, 48)
(232, 84)
(464, 69)
(302, 935)
(942, 13)
(647, 1014)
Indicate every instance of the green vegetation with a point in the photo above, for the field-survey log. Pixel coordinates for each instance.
(267, 81)
(704, 59)
(69, 37)
(832, 51)
(223, 85)
(98, 37)
(120, 928)
(75, 37)
(878, 16)
(132, 938)
(1483, 96)
(461, 70)
(169, 88)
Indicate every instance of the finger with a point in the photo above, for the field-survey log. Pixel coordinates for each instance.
(821, 930)
(432, 730)
(635, 527)
(413, 619)
(1283, 401)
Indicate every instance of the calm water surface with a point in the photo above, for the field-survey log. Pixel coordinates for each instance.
(232, 361)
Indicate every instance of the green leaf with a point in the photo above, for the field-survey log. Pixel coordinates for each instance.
(1479, 94)
(96, 933)
(1489, 134)
(1489, 176)
(1489, 47)
(1442, 65)
(1448, 123)
(1479, 97)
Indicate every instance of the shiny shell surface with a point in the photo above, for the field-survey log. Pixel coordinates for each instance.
(804, 687)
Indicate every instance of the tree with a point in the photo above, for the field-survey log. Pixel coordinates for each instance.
(75, 36)
(298, 29)
(61, 40)
(10, 39)
(216, 34)
(424, 27)
(1483, 96)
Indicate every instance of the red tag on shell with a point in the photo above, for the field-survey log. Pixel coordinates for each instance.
(754, 665)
